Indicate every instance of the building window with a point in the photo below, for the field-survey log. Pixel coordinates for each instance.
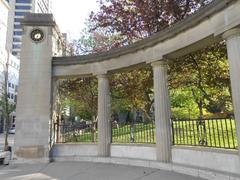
(15, 98)
(17, 20)
(16, 46)
(20, 13)
(24, 1)
(23, 7)
(18, 26)
(17, 33)
(16, 39)
(15, 53)
(14, 119)
(12, 96)
(9, 84)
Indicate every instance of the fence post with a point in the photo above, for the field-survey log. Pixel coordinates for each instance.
(173, 133)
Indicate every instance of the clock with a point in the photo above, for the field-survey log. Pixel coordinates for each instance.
(37, 35)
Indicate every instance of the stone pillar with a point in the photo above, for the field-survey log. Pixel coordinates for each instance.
(34, 97)
(232, 38)
(162, 112)
(55, 130)
(104, 116)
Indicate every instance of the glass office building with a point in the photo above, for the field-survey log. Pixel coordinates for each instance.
(18, 8)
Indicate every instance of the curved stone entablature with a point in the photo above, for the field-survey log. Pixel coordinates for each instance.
(191, 34)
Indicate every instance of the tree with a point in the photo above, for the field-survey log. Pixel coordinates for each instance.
(137, 19)
(7, 107)
(206, 73)
(206, 69)
(121, 22)
(183, 104)
(96, 41)
(81, 95)
(135, 88)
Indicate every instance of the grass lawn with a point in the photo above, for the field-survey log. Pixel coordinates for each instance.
(211, 133)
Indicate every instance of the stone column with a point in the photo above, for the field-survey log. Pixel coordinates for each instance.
(104, 116)
(232, 38)
(162, 112)
(34, 96)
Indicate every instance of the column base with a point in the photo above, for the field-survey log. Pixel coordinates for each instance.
(104, 152)
(31, 152)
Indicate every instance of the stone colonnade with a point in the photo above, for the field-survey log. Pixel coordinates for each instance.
(162, 101)
(34, 102)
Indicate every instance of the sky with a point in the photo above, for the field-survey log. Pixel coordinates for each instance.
(70, 15)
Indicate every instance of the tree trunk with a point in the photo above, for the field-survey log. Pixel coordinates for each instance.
(200, 107)
(6, 104)
(6, 141)
(201, 124)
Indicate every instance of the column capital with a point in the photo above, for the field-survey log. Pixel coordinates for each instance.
(103, 76)
(231, 33)
(159, 63)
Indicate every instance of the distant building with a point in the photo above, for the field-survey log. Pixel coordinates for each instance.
(7, 59)
(13, 77)
(18, 8)
(4, 8)
(13, 64)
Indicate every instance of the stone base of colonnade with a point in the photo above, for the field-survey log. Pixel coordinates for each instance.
(30, 155)
(207, 163)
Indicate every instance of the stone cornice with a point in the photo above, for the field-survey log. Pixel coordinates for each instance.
(189, 22)
(231, 33)
(34, 19)
(159, 63)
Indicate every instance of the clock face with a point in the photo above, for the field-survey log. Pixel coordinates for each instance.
(37, 35)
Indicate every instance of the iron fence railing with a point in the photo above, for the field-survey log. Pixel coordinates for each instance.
(65, 133)
(142, 132)
(216, 132)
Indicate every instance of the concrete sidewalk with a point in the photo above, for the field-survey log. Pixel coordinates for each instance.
(85, 171)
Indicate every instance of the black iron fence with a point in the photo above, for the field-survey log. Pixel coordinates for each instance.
(142, 132)
(216, 132)
(65, 133)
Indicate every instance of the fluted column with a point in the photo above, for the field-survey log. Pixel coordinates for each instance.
(162, 112)
(104, 116)
(232, 38)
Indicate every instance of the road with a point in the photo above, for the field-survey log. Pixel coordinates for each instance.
(10, 140)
